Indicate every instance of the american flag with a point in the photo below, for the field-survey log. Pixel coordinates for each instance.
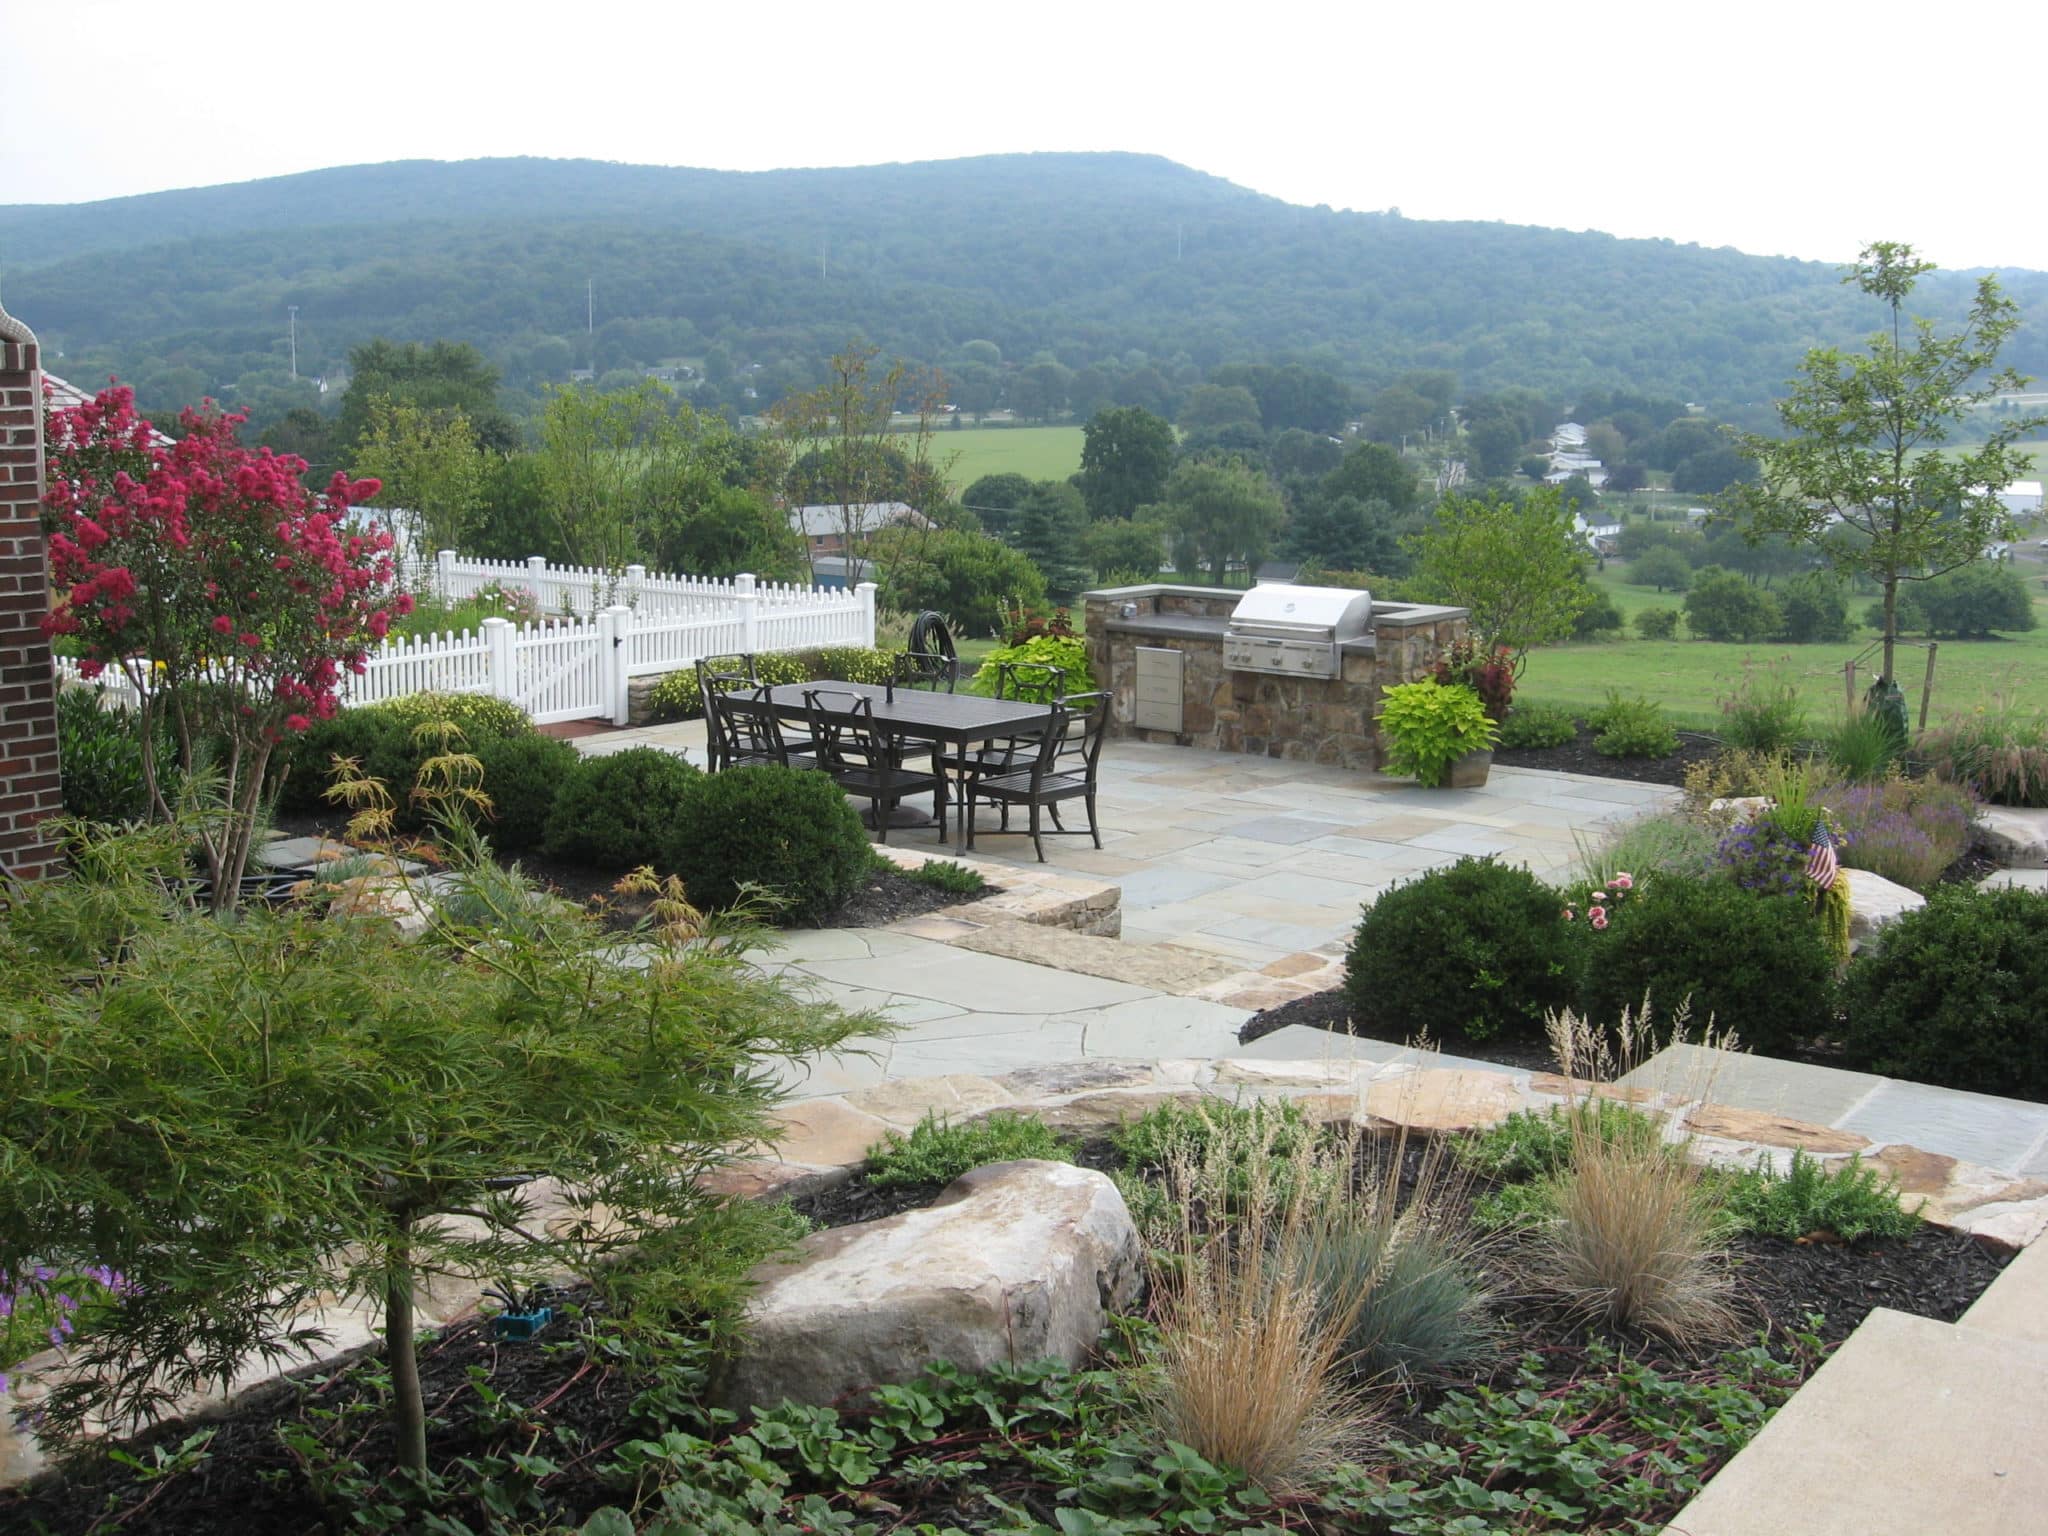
(1821, 863)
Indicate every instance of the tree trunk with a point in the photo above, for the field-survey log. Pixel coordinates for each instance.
(1891, 624)
(409, 1409)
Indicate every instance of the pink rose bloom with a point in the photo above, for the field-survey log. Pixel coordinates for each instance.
(1624, 882)
(1569, 914)
(1599, 919)
(1599, 896)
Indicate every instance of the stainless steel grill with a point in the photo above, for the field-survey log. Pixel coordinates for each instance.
(1294, 631)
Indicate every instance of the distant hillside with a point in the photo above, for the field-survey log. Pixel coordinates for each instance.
(1136, 272)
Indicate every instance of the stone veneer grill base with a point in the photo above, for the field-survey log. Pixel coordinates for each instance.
(1301, 719)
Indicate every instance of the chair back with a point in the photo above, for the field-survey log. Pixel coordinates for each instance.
(843, 728)
(926, 669)
(1081, 723)
(745, 726)
(1032, 682)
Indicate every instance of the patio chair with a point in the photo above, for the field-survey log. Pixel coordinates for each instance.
(866, 763)
(1064, 768)
(1033, 682)
(745, 731)
(930, 670)
(716, 682)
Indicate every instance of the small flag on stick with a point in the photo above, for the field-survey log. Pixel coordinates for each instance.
(1821, 863)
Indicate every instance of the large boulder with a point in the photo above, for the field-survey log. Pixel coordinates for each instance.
(1013, 1262)
(1875, 902)
(2014, 837)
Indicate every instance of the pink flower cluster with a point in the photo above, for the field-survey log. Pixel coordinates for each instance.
(212, 560)
(1600, 903)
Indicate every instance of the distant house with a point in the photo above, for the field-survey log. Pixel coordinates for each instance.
(823, 527)
(2022, 498)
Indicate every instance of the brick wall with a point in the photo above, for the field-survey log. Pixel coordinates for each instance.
(29, 786)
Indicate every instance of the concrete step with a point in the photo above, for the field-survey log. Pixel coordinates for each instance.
(1911, 1428)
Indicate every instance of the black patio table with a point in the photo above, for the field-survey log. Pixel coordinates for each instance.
(960, 720)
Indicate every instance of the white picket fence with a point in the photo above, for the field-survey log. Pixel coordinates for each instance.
(581, 668)
(587, 591)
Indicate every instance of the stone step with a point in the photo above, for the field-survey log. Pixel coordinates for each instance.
(1912, 1427)
(2013, 836)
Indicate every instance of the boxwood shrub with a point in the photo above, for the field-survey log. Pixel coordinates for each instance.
(522, 775)
(787, 829)
(613, 812)
(1479, 949)
(380, 737)
(1956, 993)
(1754, 963)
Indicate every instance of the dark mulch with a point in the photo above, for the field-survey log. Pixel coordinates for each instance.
(1332, 1011)
(1580, 757)
(857, 1200)
(885, 896)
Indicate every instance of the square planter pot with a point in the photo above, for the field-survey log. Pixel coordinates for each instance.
(1469, 771)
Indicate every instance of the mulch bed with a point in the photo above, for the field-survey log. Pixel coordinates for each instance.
(1331, 1010)
(252, 1483)
(1580, 757)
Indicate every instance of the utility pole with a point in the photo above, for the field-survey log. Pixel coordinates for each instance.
(1176, 242)
(295, 339)
(821, 260)
(590, 307)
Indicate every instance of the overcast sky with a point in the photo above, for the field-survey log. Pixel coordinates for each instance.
(1791, 128)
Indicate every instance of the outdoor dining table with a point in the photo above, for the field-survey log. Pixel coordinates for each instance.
(959, 720)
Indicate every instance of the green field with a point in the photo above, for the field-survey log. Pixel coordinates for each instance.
(1036, 453)
(1689, 678)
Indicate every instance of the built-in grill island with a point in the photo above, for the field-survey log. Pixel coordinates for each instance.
(1280, 670)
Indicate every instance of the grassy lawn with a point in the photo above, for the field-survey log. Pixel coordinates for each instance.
(1037, 453)
(1689, 678)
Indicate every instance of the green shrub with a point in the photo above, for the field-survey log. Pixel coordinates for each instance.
(1957, 994)
(612, 812)
(476, 715)
(1428, 727)
(1975, 599)
(521, 775)
(1851, 1201)
(382, 738)
(1657, 623)
(790, 831)
(1599, 617)
(100, 757)
(1538, 725)
(938, 1152)
(1753, 964)
(676, 696)
(1535, 1144)
(1813, 611)
(944, 875)
(847, 663)
(1725, 606)
(1479, 949)
(1632, 728)
(1764, 714)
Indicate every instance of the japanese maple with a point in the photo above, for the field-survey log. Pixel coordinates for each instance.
(231, 597)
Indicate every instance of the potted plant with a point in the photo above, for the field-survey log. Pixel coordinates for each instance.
(1438, 733)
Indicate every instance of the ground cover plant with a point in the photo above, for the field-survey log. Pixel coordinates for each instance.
(938, 1151)
(945, 875)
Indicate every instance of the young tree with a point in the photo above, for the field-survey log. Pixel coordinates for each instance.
(1863, 442)
(1217, 513)
(1048, 529)
(230, 596)
(1516, 564)
(848, 417)
(241, 1118)
(430, 466)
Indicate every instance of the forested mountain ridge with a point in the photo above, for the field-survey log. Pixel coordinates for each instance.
(1141, 272)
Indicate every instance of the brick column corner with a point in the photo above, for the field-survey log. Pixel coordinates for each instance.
(30, 787)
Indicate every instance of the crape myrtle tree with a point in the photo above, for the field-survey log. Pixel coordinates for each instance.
(231, 598)
(245, 1120)
(1863, 443)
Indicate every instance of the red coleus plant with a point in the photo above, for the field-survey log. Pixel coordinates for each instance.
(231, 596)
(1490, 675)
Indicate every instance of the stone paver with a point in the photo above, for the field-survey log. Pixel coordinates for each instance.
(2012, 836)
(2021, 879)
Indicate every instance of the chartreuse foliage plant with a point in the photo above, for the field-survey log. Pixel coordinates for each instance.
(1851, 1200)
(1429, 726)
(231, 597)
(241, 1117)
